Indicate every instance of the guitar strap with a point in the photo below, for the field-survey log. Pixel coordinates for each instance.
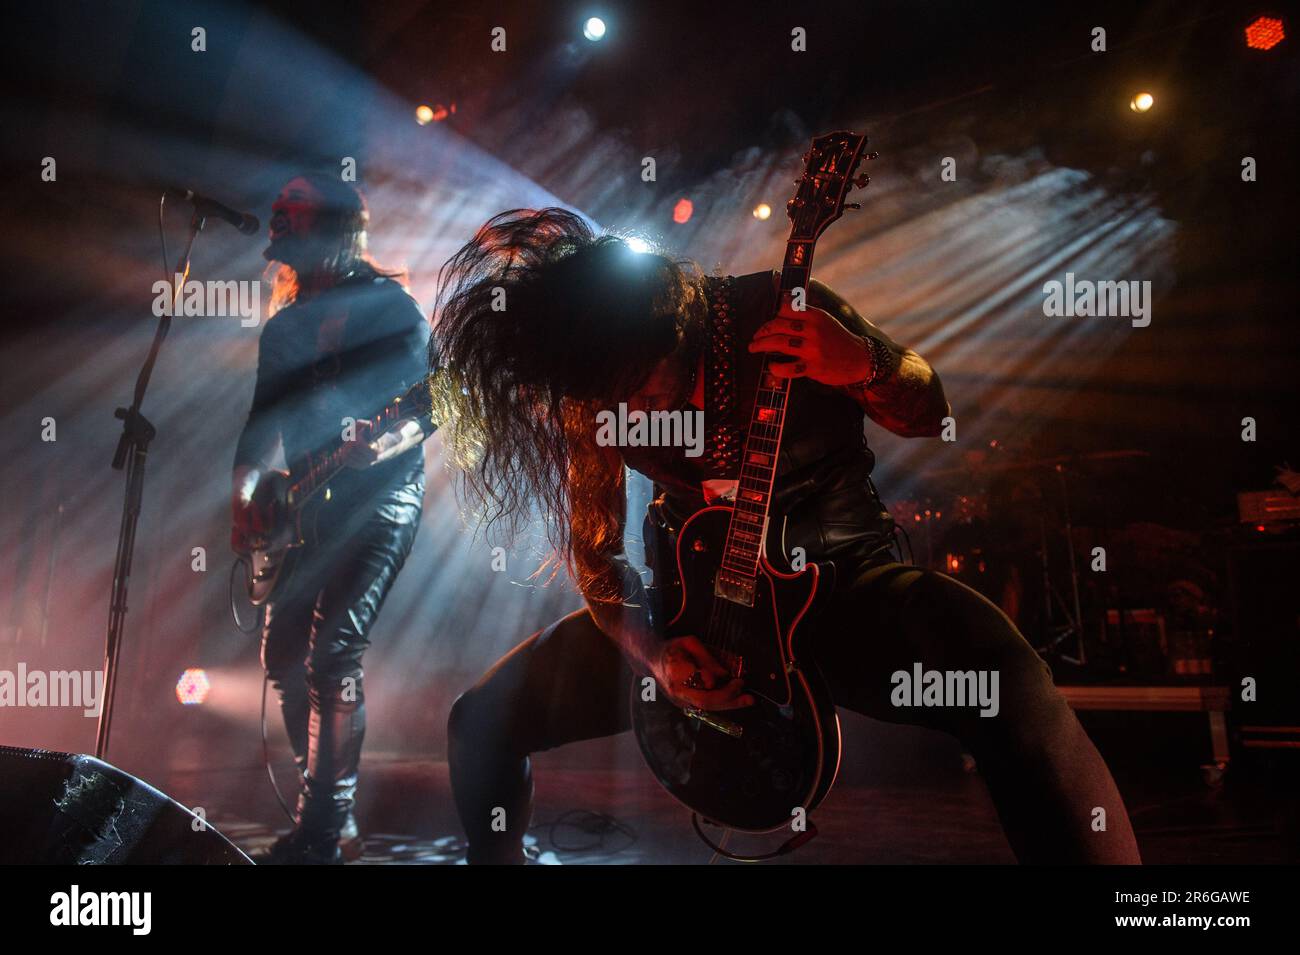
(722, 435)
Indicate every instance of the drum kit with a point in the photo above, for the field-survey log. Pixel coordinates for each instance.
(1052, 541)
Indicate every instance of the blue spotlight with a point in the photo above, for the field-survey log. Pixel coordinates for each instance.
(594, 28)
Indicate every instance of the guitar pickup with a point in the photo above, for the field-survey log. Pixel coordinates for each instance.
(719, 723)
(737, 589)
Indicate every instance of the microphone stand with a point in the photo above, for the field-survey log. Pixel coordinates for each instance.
(132, 449)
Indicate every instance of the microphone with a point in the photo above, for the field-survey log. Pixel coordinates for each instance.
(204, 206)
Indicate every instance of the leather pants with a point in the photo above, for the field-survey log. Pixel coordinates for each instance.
(569, 683)
(312, 643)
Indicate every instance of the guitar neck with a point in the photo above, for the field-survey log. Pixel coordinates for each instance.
(320, 467)
(763, 444)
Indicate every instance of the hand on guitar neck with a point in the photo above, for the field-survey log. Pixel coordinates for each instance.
(259, 512)
(366, 448)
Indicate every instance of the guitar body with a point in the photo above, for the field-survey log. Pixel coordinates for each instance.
(270, 568)
(746, 769)
(292, 499)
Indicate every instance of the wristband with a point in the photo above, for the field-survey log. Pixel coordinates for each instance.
(882, 362)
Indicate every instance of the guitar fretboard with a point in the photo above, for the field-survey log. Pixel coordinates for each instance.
(762, 447)
(319, 467)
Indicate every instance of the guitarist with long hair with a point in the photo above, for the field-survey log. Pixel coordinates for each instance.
(345, 339)
(543, 325)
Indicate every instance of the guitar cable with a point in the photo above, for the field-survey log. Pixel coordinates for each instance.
(719, 848)
(266, 756)
(239, 563)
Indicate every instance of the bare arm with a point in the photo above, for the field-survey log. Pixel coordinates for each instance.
(685, 670)
(613, 590)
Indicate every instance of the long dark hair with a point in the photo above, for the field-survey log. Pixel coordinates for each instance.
(344, 222)
(540, 323)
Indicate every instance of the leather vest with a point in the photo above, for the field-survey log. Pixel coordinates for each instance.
(823, 499)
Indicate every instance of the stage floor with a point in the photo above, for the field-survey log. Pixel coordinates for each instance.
(905, 796)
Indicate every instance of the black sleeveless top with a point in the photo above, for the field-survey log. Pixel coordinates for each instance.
(823, 499)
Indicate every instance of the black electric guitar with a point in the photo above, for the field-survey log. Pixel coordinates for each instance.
(288, 497)
(754, 769)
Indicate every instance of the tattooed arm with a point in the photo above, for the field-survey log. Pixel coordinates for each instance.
(831, 343)
(683, 668)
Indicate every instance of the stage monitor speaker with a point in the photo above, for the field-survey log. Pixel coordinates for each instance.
(64, 809)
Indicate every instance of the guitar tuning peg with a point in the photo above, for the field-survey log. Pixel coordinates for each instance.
(861, 181)
(873, 155)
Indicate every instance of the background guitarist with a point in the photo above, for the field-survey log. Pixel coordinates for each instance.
(589, 324)
(346, 339)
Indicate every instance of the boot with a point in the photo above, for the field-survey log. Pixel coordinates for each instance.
(351, 845)
(299, 847)
(325, 826)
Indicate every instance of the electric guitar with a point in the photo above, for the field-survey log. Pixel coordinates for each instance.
(754, 769)
(288, 496)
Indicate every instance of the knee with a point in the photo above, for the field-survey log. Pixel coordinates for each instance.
(483, 725)
(1033, 716)
(1031, 712)
(335, 679)
(468, 716)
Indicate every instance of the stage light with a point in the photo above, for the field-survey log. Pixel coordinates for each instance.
(1265, 33)
(424, 115)
(762, 211)
(1141, 102)
(594, 29)
(193, 686)
(636, 244)
(682, 211)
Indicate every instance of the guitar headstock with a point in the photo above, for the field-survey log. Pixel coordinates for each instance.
(830, 171)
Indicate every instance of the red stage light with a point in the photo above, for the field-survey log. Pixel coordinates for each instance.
(682, 211)
(1265, 33)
